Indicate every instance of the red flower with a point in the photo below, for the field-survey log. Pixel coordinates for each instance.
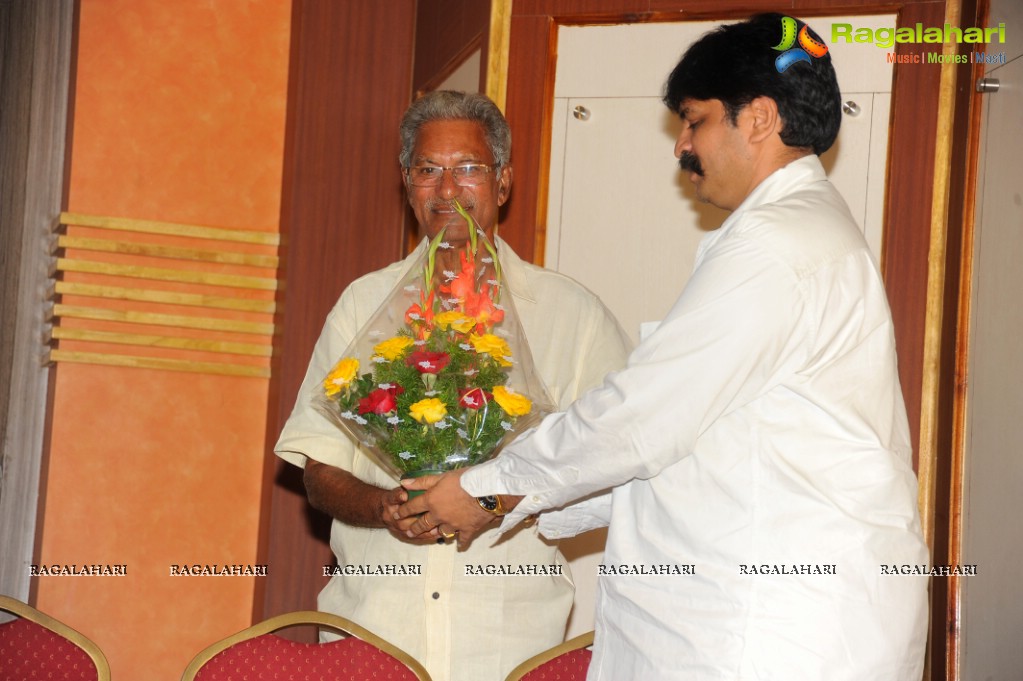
(380, 401)
(473, 398)
(428, 362)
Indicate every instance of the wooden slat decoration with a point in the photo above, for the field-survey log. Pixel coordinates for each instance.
(111, 246)
(176, 342)
(160, 274)
(194, 262)
(167, 297)
(159, 363)
(157, 319)
(170, 229)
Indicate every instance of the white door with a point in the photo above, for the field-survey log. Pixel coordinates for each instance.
(621, 218)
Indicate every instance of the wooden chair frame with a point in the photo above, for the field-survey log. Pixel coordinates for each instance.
(291, 619)
(25, 611)
(581, 641)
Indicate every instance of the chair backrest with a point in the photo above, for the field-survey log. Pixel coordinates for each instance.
(565, 662)
(36, 646)
(255, 649)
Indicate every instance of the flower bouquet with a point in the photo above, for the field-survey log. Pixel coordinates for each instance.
(441, 376)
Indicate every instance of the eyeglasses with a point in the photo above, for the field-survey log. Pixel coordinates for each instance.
(464, 175)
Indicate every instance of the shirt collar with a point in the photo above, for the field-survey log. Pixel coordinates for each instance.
(780, 183)
(515, 272)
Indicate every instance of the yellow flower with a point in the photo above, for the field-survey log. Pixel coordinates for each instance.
(429, 410)
(512, 402)
(343, 374)
(492, 345)
(392, 348)
(455, 320)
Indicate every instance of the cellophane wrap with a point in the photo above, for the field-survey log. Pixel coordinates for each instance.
(441, 377)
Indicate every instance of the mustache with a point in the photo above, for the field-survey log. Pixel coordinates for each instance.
(433, 203)
(689, 161)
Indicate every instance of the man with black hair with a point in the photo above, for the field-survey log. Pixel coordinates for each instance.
(757, 443)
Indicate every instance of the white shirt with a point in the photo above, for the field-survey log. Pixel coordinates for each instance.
(460, 627)
(761, 425)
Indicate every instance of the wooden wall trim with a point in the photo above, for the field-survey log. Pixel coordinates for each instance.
(936, 283)
(953, 405)
(528, 111)
(497, 52)
(956, 388)
(932, 342)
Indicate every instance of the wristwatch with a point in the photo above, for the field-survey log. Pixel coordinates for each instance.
(491, 504)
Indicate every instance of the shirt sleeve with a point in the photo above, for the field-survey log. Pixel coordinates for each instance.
(606, 349)
(735, 330)
(307, 434)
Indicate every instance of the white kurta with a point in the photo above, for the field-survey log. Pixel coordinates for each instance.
(760, 429)
(461, 627)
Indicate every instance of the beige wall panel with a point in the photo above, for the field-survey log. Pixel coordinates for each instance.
(466, 77)
(992, 610)
(1010, 12)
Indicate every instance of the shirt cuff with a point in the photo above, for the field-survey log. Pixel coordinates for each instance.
(577, 518)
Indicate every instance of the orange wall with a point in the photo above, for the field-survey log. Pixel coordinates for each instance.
(179, 115)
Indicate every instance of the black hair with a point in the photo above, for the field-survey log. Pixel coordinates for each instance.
(736, 64)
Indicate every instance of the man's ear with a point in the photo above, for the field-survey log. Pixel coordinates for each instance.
(504, 182)
(766, 120)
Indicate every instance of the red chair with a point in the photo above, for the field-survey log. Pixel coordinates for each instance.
(36, 646)
(566, 662)
(363, 655)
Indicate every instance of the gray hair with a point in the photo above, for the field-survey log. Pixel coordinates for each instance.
(449, 105)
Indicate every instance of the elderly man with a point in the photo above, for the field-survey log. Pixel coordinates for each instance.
(757, 442)
(455, 146)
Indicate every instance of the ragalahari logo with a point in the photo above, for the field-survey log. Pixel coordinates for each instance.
(809, 45)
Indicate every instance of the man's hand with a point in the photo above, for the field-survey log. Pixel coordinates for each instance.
(341, 495)
(391, 501)
(444, 505)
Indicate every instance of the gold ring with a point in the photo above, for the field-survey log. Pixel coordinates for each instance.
(446, 535)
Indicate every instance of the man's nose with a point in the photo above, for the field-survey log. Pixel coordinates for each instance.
(682, 143)
(448, 188)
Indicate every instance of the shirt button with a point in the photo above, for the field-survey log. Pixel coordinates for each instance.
(537, 499)
(436, 595)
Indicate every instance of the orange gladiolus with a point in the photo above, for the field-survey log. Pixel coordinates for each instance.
(419, 317)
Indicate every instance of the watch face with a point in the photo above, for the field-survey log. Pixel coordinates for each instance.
(488, 503)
